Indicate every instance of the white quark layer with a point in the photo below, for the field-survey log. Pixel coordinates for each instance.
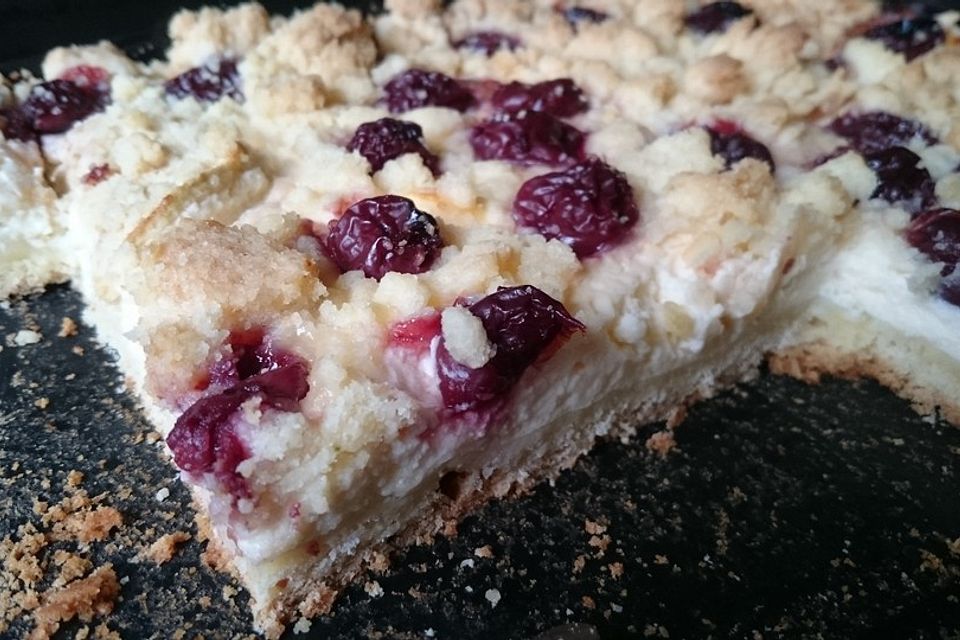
(878, 275)
(29, 227)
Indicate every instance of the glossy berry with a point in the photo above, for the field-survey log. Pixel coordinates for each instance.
(716, 16)
(208, 83)
(589, 207)
(911, 36)
(878, 130)
(54, 106)
(488, 42)
(416, 88)
(384, 234)
(578, 15)
(527, 137)
(936, 234)
(386, 139)
(733, 145)
(561, 98)
(900, 178)
(204, 438)
(525, 325)
(15, 125)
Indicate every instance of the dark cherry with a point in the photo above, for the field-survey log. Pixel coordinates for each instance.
(525, 325)
(97, 174)
(561, 98)
(936, 234)
(589, 206)
(387, 138)
(204, 438)
(577, 15)
(208, 83)
(416, 88)
(16, 125)
(527, 137)
(383, 234)
(878, 130)
(716, 16)
(912, 36)
(729, 142)
(901, 179)
(54, 106)
(488, 42)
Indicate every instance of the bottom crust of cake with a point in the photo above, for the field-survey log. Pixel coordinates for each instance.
(839, 344)
(810, 362)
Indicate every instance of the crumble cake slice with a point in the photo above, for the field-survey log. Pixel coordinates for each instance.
(367, 273)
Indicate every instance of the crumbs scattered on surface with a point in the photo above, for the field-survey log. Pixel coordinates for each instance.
(492, 596)
(42, 403)
(373, 589)
(59, 584)
(661, 442)
(68, 327)
(162, 550)
(486, 551)
(302, 626)
(26, 336)
(83, 598)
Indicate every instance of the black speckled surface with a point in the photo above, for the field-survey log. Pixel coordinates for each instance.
(786, 511)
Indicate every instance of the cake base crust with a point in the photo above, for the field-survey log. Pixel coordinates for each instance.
(810, 362)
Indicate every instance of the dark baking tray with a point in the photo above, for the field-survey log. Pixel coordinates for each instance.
(786, 510)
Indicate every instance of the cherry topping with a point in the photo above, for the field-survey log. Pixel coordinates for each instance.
(576, 15)
(561, 98)
(527, 137)
(488, 42)
(387, 138)
(87, 75)
(54, 106)
(383, 234)
(15, 125)
(716, 16)
(936, 234)
(589, 206)
(207, 83)
(97, 174)
(900, 178)
(729, 142)
(416, 88)
(204, 438)
(525, 325)
(912, 36)
(878, 130)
